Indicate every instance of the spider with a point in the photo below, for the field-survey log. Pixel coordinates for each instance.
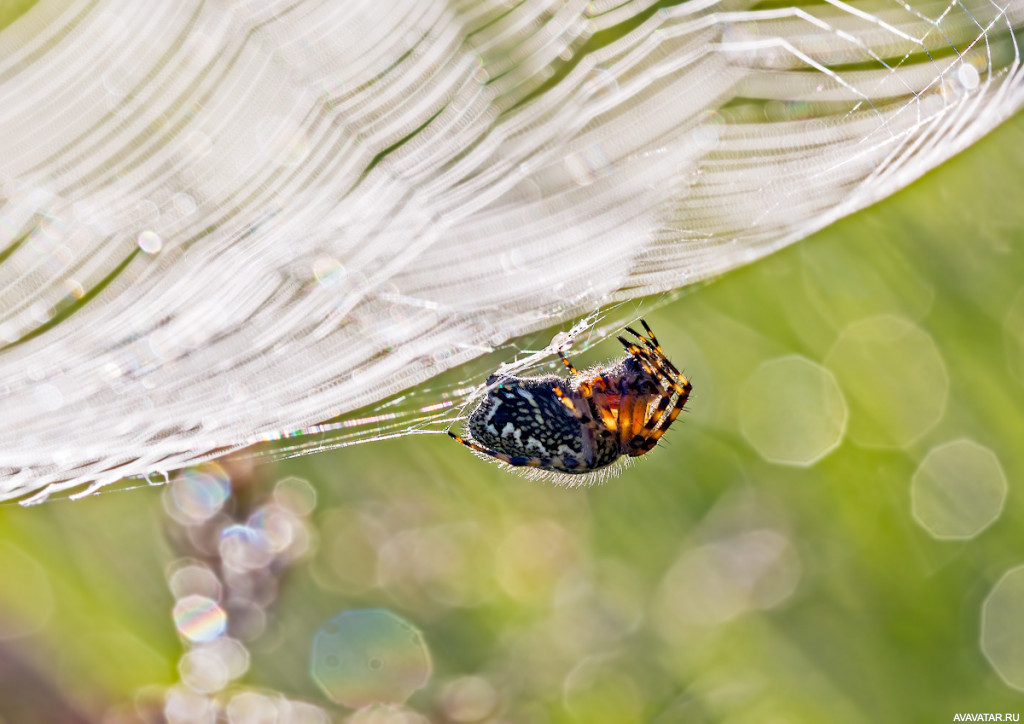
(572, 427)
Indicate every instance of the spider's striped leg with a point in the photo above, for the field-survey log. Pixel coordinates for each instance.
(660, 420)
(626, 405)
(655, 357)
(517, 460)
(567, 363)
(586, 417)
(632, 418)
(653, 365)
(652, 356)
(654, 346)
(593, 391)
(597, 419)
(679, 385)
(586, 391)
(646, 342)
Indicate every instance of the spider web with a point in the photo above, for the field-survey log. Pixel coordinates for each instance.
(226, 222)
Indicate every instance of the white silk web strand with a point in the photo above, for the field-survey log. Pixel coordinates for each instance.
(222, 222)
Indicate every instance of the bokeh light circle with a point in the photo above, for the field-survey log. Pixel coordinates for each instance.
(276, 526)
(184, 706)
(716, 582)
(532, 559)
(243, 548)
(296, 494)
(370, 656)
(230, 652)
(468, 699)
(958, 490)
(188, 578)
(199, 618)
(254, 707)
(251, 706)
(197, 494)
(894, 380)
(601, 689)
(792, 411)
(1002, 628)
(387, 714)
(203, 671)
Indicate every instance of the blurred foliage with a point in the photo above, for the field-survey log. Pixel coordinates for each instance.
(705, 583)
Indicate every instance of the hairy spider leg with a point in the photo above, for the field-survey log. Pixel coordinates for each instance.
(658, 362)
(647, 362)
(634, 419)
(629, 416)
(626, 405)
(676, 382)
(567, 402)
(586, 391)
(481, 449)
(648, 437)
(567, 363)
(663, 415)
(650, 340)
(651, 364)
(660, 421)
(593, 391)
(654, 346)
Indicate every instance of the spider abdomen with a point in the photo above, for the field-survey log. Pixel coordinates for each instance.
(524, 417)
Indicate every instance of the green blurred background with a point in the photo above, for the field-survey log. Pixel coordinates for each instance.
(715, 580)
(820, 538)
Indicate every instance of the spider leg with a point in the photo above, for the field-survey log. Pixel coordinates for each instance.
(638, 352)
(625, 420)
(653, 345)
(678, 387)
(593, 391)
(647, 343)
(649, 436)
(567, 401)
(677, 381)
(650, 341)
(567, 363)
(599, 421)
(667, 362)
(660, 420)
(487, 451)
(654, 366)
(655, 356)
(633, 420)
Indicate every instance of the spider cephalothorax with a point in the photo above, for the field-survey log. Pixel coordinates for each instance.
(585, 422)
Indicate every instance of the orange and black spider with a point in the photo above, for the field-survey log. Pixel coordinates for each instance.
(583, 423)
